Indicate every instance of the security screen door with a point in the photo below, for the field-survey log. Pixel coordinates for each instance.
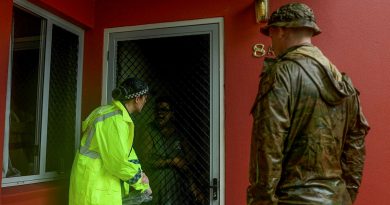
(181, 62)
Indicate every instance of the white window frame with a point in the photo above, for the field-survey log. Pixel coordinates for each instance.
(51, 20)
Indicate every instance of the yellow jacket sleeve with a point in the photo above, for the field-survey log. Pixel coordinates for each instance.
(114, 138)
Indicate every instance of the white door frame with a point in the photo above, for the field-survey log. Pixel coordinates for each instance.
(221, 141)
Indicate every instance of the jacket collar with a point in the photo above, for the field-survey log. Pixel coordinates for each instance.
(280, 56)
(125, 113)
(269, 62)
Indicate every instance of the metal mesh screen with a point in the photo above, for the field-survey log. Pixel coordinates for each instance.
(178, 67)
(62, 100)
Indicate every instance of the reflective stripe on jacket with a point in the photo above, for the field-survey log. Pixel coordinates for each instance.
(105, 158)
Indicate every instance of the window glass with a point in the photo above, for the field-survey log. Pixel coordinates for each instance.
(25, 94)
(43, 99)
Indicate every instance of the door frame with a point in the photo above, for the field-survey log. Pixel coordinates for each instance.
(220, 142)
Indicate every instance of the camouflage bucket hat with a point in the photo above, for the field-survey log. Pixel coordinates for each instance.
(292, 15)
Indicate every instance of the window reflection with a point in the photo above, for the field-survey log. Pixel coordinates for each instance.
(25, 97)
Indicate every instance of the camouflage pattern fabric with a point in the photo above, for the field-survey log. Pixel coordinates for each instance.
(308, 133)
(292, 15)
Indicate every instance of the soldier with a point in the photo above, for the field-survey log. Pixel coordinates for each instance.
(308, 128)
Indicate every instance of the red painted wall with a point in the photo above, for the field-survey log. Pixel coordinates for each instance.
(78, 12)
(5, 36)
(51, 193)
(355, 36)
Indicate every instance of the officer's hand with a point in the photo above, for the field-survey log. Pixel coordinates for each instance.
(145, 179)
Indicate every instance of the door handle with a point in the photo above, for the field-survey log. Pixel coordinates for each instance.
(214, 186)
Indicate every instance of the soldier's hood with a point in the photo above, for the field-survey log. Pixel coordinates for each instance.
(335, 86)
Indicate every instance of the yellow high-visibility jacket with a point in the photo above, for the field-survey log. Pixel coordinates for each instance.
(105, 158)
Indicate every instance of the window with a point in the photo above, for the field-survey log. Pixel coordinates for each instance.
(43, 97)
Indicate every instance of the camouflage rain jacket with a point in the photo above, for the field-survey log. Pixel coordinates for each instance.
(308, 133)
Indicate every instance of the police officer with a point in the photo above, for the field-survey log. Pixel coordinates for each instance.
(308, 127)
(106, 167)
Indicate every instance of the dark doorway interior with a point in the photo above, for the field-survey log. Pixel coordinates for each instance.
(178, 67)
